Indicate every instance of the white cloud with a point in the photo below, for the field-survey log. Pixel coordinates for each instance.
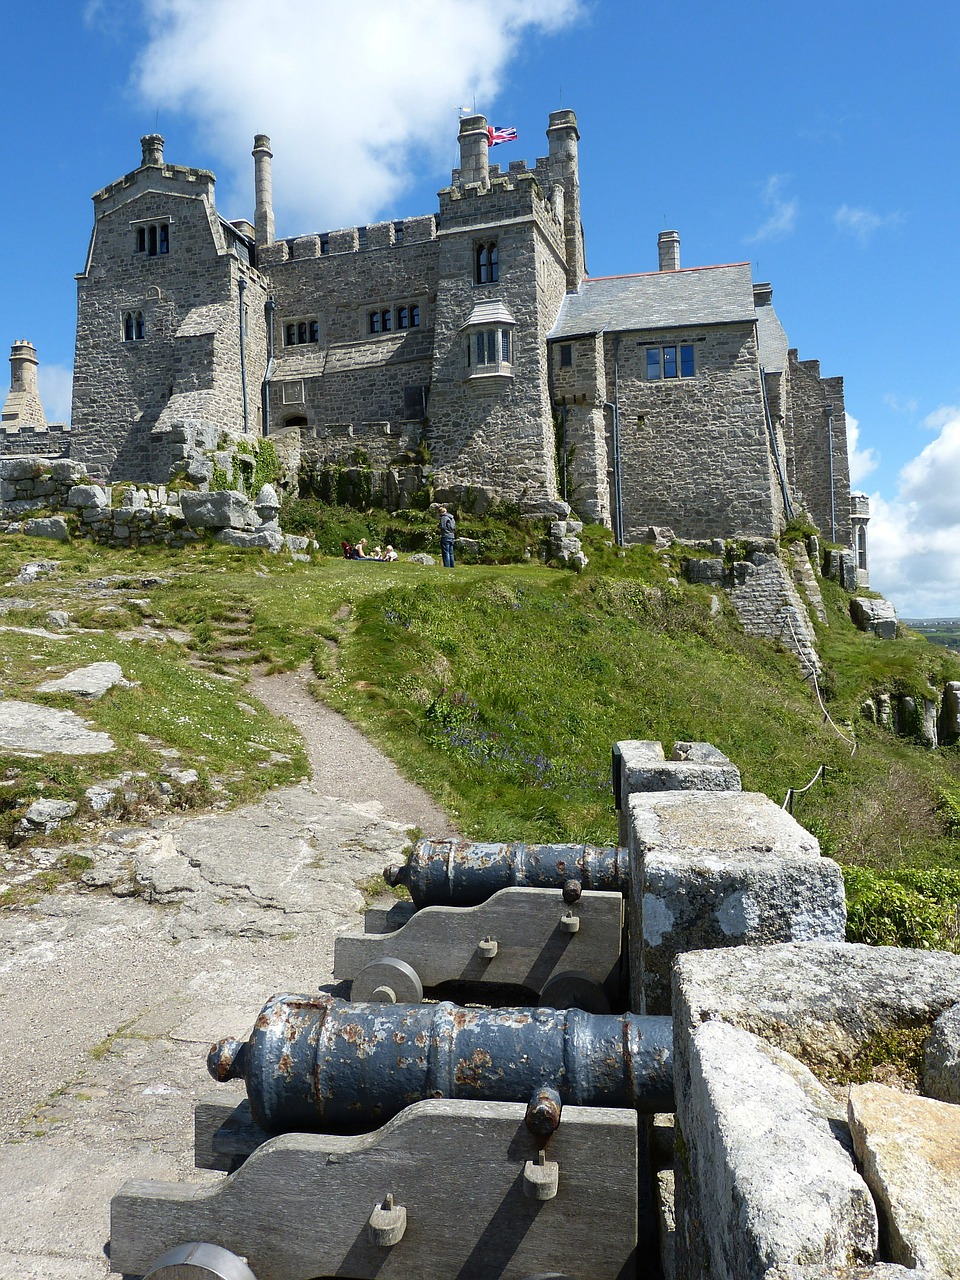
(914, 541)
(345, 92)
(862, 461)
(55, 384)
(862, 223)
(900, 405)
(782, 218)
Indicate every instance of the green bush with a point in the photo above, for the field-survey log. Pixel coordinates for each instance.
(911, 907)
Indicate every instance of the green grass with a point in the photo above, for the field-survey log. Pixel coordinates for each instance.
(500, 689)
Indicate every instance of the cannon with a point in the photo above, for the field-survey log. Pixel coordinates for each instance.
(493, 1143)
(320, 1063)
(463, 873)
(564, 946)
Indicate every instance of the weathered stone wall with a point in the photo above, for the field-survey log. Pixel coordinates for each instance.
(808, 447)
(350, 379)
(187, 365)
(50, 441)
(695, 451)
(496, 428)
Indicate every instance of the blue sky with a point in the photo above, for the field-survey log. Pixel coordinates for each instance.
(816, 141)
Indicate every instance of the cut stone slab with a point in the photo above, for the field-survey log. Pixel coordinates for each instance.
(26, 727)
(822, 1001)
(223, 509)
(941, 1058)
(720, 869)
(909, 1148)
(89, 682)
(642, 766)
(767, 1178)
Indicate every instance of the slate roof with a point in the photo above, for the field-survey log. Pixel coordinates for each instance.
(658, 300)
(771, 340)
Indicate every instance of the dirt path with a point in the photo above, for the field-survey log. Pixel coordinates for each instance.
(108, 1003)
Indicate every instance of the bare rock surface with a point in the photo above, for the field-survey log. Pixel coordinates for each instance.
(941, 1059)
(112, 991)
(91, 682)
(909, 1148)
(25, 726)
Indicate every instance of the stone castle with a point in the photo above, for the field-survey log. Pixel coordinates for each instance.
(466, 349)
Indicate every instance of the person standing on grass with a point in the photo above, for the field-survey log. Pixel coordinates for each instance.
(448, 528)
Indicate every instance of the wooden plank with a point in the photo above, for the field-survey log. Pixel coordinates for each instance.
(299, 1206)
(441, 943)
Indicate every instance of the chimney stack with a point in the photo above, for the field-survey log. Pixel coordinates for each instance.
(562, 138)
(263, 183)
(22, 404)
(668, 248)
(474, 151)
(152, 144)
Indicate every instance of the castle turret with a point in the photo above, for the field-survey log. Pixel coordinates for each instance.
(263, 179)
(152, 144)
(563, 136)
(668, 250)
(22, 404)
(474, 151)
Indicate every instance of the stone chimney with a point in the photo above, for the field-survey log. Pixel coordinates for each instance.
(668, 248)
(263, 183)
(474, 151)
(22, 405)
(562, 139)
(762, 295)
(152, 144)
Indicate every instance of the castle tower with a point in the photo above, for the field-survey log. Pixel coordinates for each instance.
(263, 181)
(152, 147)
(563, 136)
(474, 152)
(22, 405)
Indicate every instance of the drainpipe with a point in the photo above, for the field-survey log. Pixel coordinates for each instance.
(615, 442)
(243, 360)
(269, 307)
(833, 500)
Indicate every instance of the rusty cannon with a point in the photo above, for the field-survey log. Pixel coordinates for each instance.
(316, 1063)
(463, 873)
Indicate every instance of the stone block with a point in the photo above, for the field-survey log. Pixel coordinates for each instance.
(941, 1058)
(824, 1002)
(909, 1149)
(950, 712)
(878, 616)
(22, 468)
(720, 869)
(224, 509)
(262, 539)
(642, 766)
(49, 527)
(66, 469)
(766, 1175)
(86, 495)
(709, 572)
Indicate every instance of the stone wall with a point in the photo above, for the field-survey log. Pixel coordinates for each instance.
(187, 364)
(695, 451)
(50, 441)
(808, 448)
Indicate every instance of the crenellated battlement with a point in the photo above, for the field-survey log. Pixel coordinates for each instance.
(378, 235)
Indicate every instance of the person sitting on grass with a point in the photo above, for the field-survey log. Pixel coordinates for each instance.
(389, 554)
(360, 550)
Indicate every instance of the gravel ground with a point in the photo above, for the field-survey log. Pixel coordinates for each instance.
(109, 1000)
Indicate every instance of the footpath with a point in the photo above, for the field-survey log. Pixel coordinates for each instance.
(109, 1003)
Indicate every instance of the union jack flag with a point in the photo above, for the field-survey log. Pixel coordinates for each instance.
(496, 133)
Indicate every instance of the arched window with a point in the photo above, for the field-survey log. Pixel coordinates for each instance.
(141, 239)
(861, 547)
(128, 327)
(403, 318)
(290, 335)
(487, 263)
(414, 317)
(152, 241)
(386, 321)
(314, 330)
(374, 321)
(163, 238)
(139, 330)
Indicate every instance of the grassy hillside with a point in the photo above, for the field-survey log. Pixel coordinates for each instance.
(501, 689)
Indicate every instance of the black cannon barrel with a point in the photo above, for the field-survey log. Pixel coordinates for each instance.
(462, 873)
(317, 1063)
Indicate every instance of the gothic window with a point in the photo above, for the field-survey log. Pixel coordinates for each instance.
(491, 347)
(297, 333)
(662, 363)
(154, 240)
(566, 355)
(403, 317)
(861, 547)
(414, 316)
(134, 326)
(374, 321)
(487, 263)
(386, 321)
